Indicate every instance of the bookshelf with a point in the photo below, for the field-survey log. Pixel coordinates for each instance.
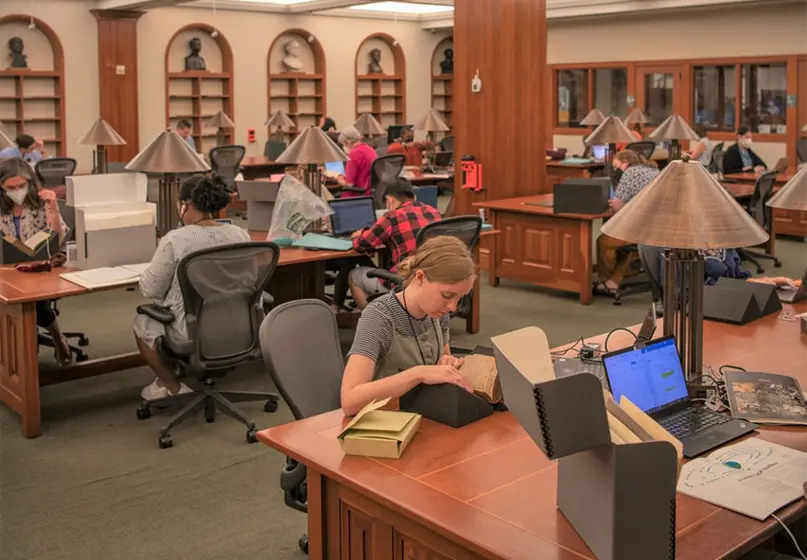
(197, 95)
(32, 100)
(382, 95)
(443, 84)
(301, 95)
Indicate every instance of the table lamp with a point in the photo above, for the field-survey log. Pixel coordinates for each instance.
(431, 123)
(685, 210)
(312, 148)
(674, 128)
(611, 131)
(594, 118)
(793, 196)
(5, 140)
(167, 154)
(636, 116)
(280, 122)
(368, 126)
(101, 135)
(221, 121)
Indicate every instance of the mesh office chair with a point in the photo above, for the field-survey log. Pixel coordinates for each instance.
(632, 286)
(225, 161)
(716, 164)
(651, 263)
(801, 150)
(447, 144)
(222, 289)
(310, 382)
(645, 148)
(54, 172)
(763, 191)
(273, 148)
(383, 170)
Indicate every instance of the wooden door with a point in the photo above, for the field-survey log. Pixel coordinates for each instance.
(659, 91)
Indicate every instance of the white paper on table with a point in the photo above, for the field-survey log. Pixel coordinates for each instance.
(100, 277)
(137, 268)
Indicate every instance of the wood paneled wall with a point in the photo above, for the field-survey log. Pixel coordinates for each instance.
(504, 125)
(117, 46)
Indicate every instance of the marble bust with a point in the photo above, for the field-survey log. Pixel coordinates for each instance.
(195, 61)
(15, 47)
(292, 61)
(447, 64)
(375, 62)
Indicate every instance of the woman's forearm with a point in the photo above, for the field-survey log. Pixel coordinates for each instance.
(394, 386)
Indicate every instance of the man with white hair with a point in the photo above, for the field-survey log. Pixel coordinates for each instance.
(360, 162)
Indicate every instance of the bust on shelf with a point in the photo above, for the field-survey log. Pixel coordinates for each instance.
(292, 60)
(15, 47)
(447, 64)
(194, 61)
(375, 62)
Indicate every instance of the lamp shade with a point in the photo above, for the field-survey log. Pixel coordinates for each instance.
(684, 207)
(611, 131)
(636, 116)
(168, 153)
(367, 125)
(5, 140)
(594, 118)
(432, 122)
(793, 195)
(312, 146)
(221, 120)
(101, 133)
(804, 129)
(674, 127)
(279, 121)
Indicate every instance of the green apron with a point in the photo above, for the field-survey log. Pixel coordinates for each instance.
(404, 352)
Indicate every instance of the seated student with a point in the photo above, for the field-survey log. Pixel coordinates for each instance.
(635, 172)
(413, 151)
(328, 125)
(638, 133)
(740, 157)
(200, 198)
(402, 337)
(397, 230)
(28, 148)
(722, 263)
(703, 149)
(184, 129)
(359, 164)
(27, 209)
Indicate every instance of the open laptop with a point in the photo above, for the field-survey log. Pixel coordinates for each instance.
(599, 153)
(444, 159)
(651, 376)
(781, 165)
(351, 214)
(334, 169)
(794, 295)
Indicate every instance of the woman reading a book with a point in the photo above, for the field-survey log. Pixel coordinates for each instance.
(402, 337)
(26, 209)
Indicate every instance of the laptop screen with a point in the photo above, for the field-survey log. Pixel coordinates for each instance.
(599, 152)
(352, 214)
(335, 167)
(650, 376)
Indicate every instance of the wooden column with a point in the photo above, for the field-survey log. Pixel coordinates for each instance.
(117, 47)
(504, 126)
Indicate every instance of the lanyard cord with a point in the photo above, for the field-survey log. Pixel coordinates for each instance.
(412, 325)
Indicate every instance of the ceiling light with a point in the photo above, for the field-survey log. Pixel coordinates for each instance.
(404, 8)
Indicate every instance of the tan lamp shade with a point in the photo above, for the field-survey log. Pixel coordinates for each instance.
(101, 133)
(312, 146)
(5, 140)
(636, 116)
(684, 207)
(168, 153)
(594, 118)
(221, 120)
(804, 129)
(279, 121)
(793, 196)
(368, 125)
(611, 131)
(432, 122)
(674, 127)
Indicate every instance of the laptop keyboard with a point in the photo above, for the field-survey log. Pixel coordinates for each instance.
(691, 421)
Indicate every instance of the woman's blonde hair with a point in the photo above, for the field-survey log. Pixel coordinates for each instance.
(632, 158)
(443, 259)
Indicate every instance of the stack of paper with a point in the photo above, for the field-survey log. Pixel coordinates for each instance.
(107, 276)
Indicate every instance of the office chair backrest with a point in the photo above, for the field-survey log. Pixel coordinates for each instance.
(300, 345)
(225, 161)
(53, 172)
(222, 289)
(801, 150)
(763, 190)
(273, 149)
(465, 228)
(716, 163)
(427, 194)
(447, 144)
(645, 148)
(651, 263)
(384, 170)
(69, 216)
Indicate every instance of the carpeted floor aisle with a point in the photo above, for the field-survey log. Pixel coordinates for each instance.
(95, 485)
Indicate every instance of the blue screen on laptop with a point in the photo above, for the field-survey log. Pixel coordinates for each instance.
(651, 377)
(335, 167)
(352, 214)
(599, 152)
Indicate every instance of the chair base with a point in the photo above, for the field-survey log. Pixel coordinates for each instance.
(83, 339)
(303, 543)
(44, 339)
(210, 399)
(753, 256)
(628, 288)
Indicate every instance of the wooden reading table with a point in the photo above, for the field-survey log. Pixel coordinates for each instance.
(784, 222)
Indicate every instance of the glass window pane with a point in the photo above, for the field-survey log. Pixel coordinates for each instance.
(658, 97)
(572, 97)
(611, 91)
(715, 97)
(764, 88)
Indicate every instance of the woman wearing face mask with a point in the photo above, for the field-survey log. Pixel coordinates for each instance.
(740, 157)
(200, 199)
(25, 210)
(402, 337)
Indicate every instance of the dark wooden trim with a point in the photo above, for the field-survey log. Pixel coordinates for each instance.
(399, 76)
(104, 15)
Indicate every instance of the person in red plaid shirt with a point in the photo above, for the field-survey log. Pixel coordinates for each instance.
(397, 230)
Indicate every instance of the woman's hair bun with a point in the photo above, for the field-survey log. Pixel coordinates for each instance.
(210, 195)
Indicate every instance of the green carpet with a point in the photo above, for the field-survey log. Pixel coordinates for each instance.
(95, 485)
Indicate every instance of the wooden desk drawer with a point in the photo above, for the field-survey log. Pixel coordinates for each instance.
(791, 222)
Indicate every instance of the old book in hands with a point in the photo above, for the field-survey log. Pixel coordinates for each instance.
(766, 398)
(31, 245)
(481, 373)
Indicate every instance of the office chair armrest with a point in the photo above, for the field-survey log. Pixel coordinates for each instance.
(157, 312)
(353, 188)
(390, 277)
(268, 300)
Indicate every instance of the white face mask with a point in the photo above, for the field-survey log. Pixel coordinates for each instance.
(746, 142)
(18, 196)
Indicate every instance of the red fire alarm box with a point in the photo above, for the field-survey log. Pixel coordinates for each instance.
(251, 135)
(471, 173)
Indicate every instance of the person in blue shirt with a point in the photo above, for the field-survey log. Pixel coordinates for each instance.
(28, 148)
(740, 157)
(184, 129)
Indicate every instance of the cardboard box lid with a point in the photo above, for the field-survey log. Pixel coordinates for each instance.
(372, 423)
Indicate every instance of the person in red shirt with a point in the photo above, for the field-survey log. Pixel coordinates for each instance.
(397, 230)
(360, 162)
(413, 151)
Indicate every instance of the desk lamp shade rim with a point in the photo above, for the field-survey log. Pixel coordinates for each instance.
(636, 116)
(101, 133)
(221, 120)
(168, 153)
(279, 120)
(312, 146)
(593, 118)
(611, 131)
(368, 125)
(674, 127)
(792, 196)
(5, 139)
(432, 122)
(684, 207)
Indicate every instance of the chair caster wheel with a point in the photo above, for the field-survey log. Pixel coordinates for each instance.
(760, 270)
(252, 436)
(303, 543)
(143, 413)
(270, 406)
(81, 358)
(84, 341)
(777, 264)
(165, 442)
